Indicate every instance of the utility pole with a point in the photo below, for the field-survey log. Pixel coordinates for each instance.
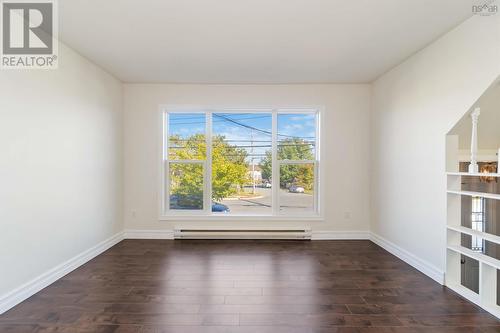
(252, 161)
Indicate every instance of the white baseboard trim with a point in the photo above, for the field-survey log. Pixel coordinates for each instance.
(148, 234)
(339, 235)
(30, 288)
(316, 235)
(423, 266)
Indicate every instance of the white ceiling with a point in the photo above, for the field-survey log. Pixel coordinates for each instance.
(254, 41)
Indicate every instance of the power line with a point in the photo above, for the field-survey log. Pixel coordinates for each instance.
(203, 122)
(227, 119)
(244, 125)
(202, 115)
(261, 130)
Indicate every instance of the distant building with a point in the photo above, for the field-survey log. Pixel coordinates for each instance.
(256, 175)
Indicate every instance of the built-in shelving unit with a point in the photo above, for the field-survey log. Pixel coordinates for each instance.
(476, 255)
(474, 174)
(468, 231)
(493, 196)
(488, 266)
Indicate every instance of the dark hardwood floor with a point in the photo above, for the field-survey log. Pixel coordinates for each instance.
(246, 287)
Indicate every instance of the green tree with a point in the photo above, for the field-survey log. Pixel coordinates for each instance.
(229, 168)
(266, 166)
(187, 185)
(292, 149)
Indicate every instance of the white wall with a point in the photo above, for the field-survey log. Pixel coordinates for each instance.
(60, 165)
(345, 152)
(414, 106)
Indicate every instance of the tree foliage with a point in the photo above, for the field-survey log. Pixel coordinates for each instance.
(291, 149)
(229, 168)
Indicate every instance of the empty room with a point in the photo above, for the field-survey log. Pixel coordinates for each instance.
(237, 166)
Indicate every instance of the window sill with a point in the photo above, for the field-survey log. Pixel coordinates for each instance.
(253, 218)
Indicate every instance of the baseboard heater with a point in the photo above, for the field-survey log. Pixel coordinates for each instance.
(246, 233)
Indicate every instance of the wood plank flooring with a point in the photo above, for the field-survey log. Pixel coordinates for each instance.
(146, 286)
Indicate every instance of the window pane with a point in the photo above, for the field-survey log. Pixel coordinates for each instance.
(296, 193)
(186, 186)
(296, 136)
(186, 140)
(481, 214)
(241, 163)
(470, 273)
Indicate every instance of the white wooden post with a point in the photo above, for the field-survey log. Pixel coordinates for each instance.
(473, 166)
(498, 162)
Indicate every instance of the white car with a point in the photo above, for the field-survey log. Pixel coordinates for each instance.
(296, 189)
(267, 185)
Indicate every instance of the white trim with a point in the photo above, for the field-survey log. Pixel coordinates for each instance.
(190, 216)
(316, 235)
(465, 292)
(493, 196)
(185, 161)
(490, 261)
(340, 235)
(464, 230)
(207, 170)
(295, 162)
(30, 288)
(221, 232)
(423, 266)
(162, 204)
(474, 298)
(275, 168)
(165, 214)
(148, 234)
(481, 174)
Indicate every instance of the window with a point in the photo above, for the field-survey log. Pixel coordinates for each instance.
(186, 151)
(478, 221)
(241, 163)
(297, 162)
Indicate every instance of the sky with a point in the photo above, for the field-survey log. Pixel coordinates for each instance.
(250, 131)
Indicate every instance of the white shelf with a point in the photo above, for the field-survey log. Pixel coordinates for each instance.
(475, 255)
(493, 196)
(489, 266)
(464, 230)
(473, 174)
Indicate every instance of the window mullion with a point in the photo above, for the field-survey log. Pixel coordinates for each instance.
(165, 177)
(207, 193)
(316, 187)
(275, 167)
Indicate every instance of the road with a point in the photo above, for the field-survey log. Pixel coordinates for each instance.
(294, 203)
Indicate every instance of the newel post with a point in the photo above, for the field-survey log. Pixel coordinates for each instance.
(473, 166)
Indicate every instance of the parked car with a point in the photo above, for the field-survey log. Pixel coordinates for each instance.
(195, 203)
(267, 185)
(296, 189)
(219, 208)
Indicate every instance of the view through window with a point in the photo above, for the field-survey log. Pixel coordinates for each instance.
(478, 221)
(224, 162)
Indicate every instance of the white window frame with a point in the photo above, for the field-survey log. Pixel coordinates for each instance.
(166, 214)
